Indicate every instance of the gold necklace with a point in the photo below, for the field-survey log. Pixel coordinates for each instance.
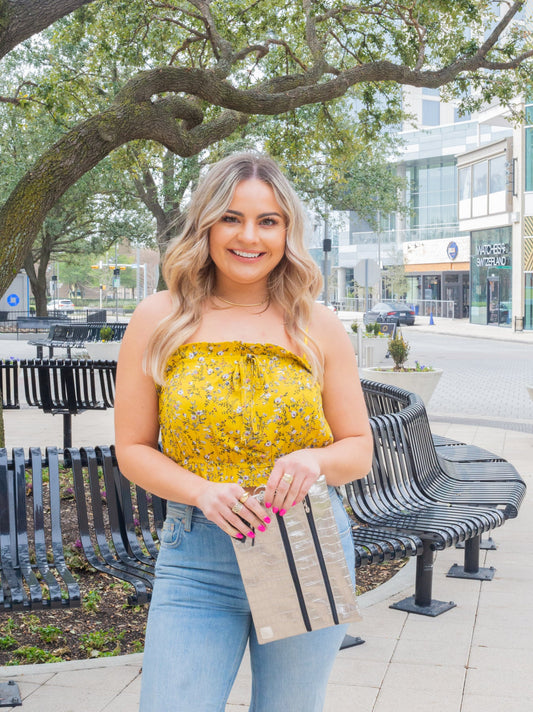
(236, 304)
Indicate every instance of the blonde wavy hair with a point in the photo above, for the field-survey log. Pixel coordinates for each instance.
(190, 273)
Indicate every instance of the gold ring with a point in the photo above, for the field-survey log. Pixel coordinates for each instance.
(288, 478)
(237, 507)
(244, 497)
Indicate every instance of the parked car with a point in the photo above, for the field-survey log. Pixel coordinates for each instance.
(388, 312)
(60, 305)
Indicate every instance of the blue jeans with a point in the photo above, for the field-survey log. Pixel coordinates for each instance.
(199, 624)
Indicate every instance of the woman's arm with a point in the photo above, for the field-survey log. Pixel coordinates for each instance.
(137, 433)
(349, 457)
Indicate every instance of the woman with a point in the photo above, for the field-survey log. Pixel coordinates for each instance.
(250, 383)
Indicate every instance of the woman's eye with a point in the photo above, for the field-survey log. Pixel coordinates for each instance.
(229, 218)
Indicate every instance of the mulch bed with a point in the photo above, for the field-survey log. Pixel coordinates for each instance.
(104, 625)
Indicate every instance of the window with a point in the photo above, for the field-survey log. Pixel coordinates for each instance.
(497, 184)
(430, 113)
(465, 192)
(432, 197)
(479, 179)
(479, 188)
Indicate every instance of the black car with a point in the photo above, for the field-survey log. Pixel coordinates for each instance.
(389, 312)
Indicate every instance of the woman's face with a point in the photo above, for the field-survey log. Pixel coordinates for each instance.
(248, 241)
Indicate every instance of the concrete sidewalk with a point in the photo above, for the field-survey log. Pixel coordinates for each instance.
(477, 657)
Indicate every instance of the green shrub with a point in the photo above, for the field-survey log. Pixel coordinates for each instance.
(369, 328)
(399, 351)
(355, 327)
(106, 333)
(377, 329)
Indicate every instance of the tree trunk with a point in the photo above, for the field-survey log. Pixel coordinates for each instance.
(38, 282)
(20, 19)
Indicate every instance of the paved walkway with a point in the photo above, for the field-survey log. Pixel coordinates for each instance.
(477, 657)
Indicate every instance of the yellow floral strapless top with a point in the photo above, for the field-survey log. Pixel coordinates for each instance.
(228, 410)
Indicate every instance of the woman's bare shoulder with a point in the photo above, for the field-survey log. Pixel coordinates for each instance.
(150, 312)
(156, 306)
(324, 322)
(328, 331)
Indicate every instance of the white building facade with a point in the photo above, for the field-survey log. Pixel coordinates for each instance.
(468, 238)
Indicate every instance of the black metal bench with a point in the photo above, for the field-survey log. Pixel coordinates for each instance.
(400, 494)
(461, 462)
(120, 538)
(38, 323)
(75, 335)
(68, 387)
(9, 384)
(34, 573)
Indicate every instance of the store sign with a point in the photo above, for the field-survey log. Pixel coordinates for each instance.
(495, 254)
(452, 250)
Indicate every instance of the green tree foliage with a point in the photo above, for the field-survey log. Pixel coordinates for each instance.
(189, 75)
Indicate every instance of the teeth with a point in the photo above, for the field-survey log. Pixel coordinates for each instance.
(246, 254)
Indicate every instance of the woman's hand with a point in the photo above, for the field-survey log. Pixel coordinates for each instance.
(290, 480)
(233, 509)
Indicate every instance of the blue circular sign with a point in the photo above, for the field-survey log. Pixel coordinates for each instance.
(452, 250)
(13, 300)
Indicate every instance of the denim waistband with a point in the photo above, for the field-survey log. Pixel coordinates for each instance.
(185, 512)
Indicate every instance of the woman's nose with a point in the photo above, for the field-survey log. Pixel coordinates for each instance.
(249, 231)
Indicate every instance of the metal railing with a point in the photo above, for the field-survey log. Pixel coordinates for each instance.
(8, 319)
(443, 308)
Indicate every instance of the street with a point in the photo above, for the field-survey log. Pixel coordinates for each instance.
(482, 377)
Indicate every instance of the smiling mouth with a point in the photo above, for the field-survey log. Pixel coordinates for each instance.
(247, 255)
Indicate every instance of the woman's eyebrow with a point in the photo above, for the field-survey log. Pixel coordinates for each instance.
(262, 215)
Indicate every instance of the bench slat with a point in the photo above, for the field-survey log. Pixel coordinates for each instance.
(9, 384)
(103, 561)
(23, 539)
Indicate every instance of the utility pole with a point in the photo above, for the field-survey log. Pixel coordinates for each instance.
(326, 248)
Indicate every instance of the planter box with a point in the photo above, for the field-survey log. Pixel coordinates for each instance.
(103, 351)
(354, 339)
(423, 383)
(370, 350)
(374, 350)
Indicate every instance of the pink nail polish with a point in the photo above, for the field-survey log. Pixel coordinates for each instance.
(251, 535)
(293, 504)
(239, 536)
(267, 520)
(262, 528)
(282, 512)
(275, 510)
(268, 505)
